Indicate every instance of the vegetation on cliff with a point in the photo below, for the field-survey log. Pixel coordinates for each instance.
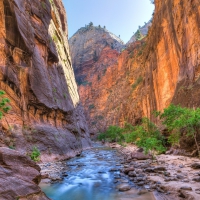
(182, 122)
(4, 108)
(179, 121)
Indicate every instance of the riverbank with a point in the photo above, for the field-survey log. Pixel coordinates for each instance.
(168, 177)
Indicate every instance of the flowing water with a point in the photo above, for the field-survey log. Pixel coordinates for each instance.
(92, 177)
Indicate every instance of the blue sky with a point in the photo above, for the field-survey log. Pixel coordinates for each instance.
(121, 17)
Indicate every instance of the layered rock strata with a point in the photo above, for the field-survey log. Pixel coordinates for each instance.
(37, 75)
(19, 177)
(150, 74)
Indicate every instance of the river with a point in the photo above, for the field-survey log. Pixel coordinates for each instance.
(94, 175)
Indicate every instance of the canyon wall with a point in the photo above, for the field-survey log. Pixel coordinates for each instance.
(37, 75)
(150, 74)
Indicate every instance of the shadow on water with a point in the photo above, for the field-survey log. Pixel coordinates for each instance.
(90, 178)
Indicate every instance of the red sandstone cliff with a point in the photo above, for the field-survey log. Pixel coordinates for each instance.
(161, 69)
(37, 75)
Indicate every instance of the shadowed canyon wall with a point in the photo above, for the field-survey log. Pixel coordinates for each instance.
(150, 74)
(37, 75)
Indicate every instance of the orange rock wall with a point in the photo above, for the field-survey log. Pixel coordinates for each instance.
(164, 67)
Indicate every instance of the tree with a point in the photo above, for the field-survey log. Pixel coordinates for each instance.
(152, 1)
(180, 119)
(112, 134)
(91, 24)
(149, 137)
(4, 108)
(95, 57)
(35, 154)
(138, 35)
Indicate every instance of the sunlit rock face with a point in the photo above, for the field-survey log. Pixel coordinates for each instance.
(37, 75)
(150, 74)
(94, 50)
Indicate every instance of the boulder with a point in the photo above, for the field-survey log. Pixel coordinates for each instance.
(19, 176)
(140, 156)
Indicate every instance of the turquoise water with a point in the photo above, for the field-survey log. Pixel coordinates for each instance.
(90, 178)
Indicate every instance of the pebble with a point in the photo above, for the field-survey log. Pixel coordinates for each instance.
(197, 191)
(196, 179)
(141, 183)
(142, 191)
(195, 166)
(123, 187)
(186, 188)
(132, 174)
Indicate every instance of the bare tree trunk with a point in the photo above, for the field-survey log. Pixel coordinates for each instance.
(195, 139)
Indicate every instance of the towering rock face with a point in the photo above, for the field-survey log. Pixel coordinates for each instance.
(86, 46)
(37, 75)
(93, 51)
(150, 74)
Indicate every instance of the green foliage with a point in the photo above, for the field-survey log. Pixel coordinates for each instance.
(11, 147)
(43, 5)
(174, 138)
(177, 119)
(65, 95)
(137, 82)
(95, 57)
(4, 108)
(99, 78)
(94, 123)
(104, 71)
(91, 106)
(112, 134)
(152, 145)
(152, 1)
(91, 24)
(139, 35)
(35, 154)
(55, 38)
(145, 135)
(84, 83)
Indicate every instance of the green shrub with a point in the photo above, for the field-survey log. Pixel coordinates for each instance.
(35, 154)
(112, 134)
(43, 5)
(92, 106)
(4, 108)
(139, 35)
(152, 145)
(177, 119)
(137, 82)
(146, 136)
